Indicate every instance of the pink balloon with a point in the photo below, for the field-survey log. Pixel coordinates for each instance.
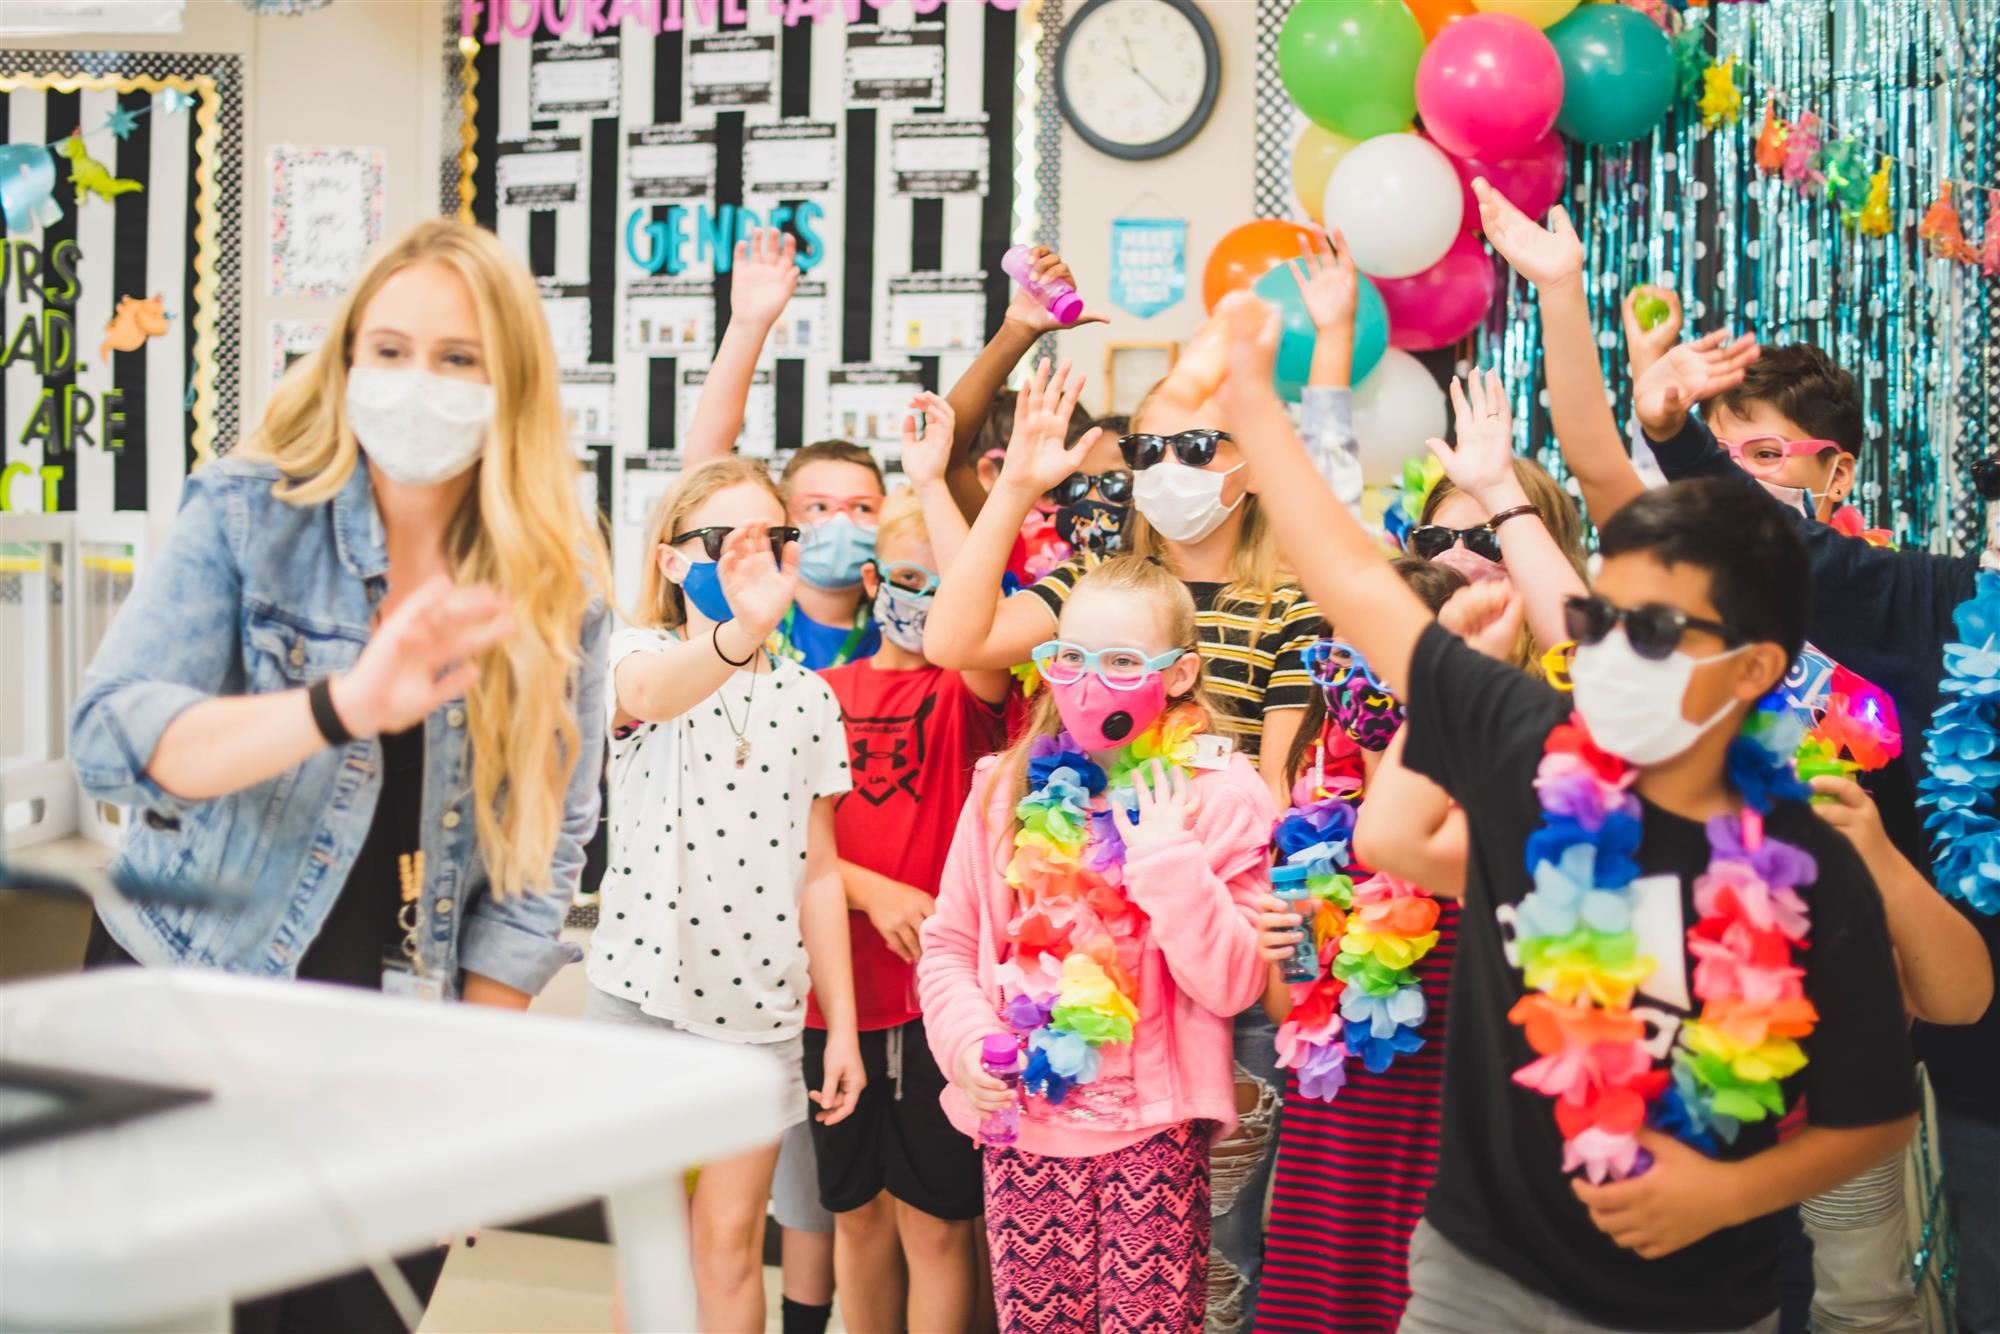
(1532, 181)
(1445, 302)
(1489, 86)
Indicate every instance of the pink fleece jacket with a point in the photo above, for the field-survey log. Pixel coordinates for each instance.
(1200, 966)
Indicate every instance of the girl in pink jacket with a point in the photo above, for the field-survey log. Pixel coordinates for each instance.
(1099, 908)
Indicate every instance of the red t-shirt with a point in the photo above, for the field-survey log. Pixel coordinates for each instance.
(912, 739)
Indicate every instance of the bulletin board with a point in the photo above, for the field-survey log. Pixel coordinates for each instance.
(120, 311)
(620, 162)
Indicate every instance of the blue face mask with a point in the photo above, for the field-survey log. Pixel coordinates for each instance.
(703, 586)
(832, 553)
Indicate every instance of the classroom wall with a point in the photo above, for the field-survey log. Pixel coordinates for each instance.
(1208, 183)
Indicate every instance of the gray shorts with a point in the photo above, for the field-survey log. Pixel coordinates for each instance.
(790, 1053)
(795, 1189)
(1452, 1293)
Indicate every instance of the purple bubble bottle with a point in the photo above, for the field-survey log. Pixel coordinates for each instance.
(1000, 1054)
(1060, 298)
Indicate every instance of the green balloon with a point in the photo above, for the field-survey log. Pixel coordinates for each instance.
(1618, 74)
(1351, 65)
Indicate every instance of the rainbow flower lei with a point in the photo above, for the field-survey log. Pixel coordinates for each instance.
(1366, 1004)
(1962, 755)
(1071, 981)
(1579, 952)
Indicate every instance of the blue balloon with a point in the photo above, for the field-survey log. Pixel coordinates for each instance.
(1280, 287)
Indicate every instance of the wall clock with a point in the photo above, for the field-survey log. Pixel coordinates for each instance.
(1137, 79)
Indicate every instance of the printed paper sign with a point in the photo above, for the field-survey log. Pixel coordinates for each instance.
(574, 79)
(1148, 264)
(932, 156)
(667, 317)
(590, 399)
(936, 312)
(540, 171)
(670, 162)
(33, 18)
(567, 308)
(867, 404)
(733, 70)
(760, 411)
(887, 66)
(801, 331)
(291, 342)
(327, 206)
(791, 158)
(647, 478)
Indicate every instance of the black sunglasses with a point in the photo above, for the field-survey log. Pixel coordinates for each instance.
(1195, 448)
(1986, 477)
(713, 538)
(1114, 487)
(1432, 540)
(1654, 630)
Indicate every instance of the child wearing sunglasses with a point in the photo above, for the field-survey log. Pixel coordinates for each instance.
(902, 1185)
(1615, 1077)
(724, 895)
(1097, 915)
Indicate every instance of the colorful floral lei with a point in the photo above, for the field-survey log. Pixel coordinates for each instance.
(1962, 756)
(1366, 1004)
(1580, 954)
(1071, 982)
(1848, 521)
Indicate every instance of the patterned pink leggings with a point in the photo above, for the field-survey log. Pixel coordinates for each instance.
(1115, 1243)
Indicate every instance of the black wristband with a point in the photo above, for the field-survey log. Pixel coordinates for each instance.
(1493, 524)
(715, 642)
(325, 717)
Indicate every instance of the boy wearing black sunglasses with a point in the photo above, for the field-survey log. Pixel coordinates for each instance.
(1696, 615)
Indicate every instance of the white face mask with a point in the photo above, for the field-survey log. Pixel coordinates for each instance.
(418, 428)
(1183, 504)
(902, 615)
(1632, 705)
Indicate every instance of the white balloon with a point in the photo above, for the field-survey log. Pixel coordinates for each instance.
(1399, 200)
(1397, 408)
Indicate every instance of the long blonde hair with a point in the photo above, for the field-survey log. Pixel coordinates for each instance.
(662, 605)
(521, 528)
(1558, 514)
(1139, 577)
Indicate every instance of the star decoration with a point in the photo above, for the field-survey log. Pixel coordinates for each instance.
(172, 101)
(121, 122)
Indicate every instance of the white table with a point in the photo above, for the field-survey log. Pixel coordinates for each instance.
(344, 1123)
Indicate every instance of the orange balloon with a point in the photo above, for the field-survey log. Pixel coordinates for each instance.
(1433, 15)
(1247, 253)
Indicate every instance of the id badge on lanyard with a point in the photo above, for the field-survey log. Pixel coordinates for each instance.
(403, 969)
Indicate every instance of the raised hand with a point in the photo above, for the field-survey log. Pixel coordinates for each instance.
(759, 589)
(1164, 804)
(1689, 374)
(1542, 255)
(1643, 346)
(1483, 464)
(1037, 455)
(1329, 282)
(421, 655)
(1486, 616)
(926, 458)
(763, 276)
(1245, 329)
(1026, 309)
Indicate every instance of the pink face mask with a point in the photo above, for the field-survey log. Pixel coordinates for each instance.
(1101, 718)
(1476, 568)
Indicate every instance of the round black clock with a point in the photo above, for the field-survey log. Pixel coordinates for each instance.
(1137, 78)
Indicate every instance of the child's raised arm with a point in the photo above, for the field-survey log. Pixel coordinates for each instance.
(763, 275)
(926, 462)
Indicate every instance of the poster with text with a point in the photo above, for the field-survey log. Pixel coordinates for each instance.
(590, 405)
(930, 313)
(1148, 264)
(539, 171)
(759, 439)
(802, 330)
(567, 308)
(327, 207)
(736, 69)
(670, 162)
(895, 66)
(791, 158)
(934, 156)
(292, 341)
(667, 317)
(867, 404)
(574, 78)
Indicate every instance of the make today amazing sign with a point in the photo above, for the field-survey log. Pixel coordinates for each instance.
(493, 20)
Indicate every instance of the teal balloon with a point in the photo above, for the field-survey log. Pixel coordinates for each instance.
(1351, 65)
(1280, 287)
(1618, 74)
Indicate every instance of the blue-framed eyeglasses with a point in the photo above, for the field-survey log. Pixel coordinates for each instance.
(1333, 662)
(908, 577)
(1064, 663)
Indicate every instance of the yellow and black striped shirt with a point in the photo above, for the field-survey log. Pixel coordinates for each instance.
(1252, 655)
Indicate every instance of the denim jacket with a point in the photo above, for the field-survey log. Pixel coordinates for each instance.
(252, 594)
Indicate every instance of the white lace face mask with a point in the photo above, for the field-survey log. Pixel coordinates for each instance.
(418, 428)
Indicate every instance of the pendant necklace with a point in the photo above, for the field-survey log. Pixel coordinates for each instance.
(742, 741)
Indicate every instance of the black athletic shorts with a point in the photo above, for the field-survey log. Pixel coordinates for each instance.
(904, 1145)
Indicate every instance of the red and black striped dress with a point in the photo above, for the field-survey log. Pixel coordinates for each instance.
(1351, 1179)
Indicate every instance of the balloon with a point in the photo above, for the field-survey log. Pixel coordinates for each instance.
(1434, 16)
(1247, 253)
(1396, 410)
(1399, 201)
(1532, 182)
(1489, 85)
(1445, 302)
(1280, 287)
(1618, 74)
(1541, 13)
(1350, 65)
(1314, 157)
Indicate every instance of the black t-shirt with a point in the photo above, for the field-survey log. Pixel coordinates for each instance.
(1478, 727)
(361, 930)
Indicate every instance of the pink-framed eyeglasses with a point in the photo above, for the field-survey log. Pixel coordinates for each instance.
(863, 510)
(1764, 455)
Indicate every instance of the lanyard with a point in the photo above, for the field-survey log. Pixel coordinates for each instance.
(862, 617)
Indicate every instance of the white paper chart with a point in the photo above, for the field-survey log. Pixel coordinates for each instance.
(802, 330)
(933, 156)
(867, 404)
(791, 157)
(760, 411)
(931, 313)
(539, 171)
(670, 162)
(666, 317)
(574, 79)
(590, 405)
(734, 70)
(567, 308)
(890, 66)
